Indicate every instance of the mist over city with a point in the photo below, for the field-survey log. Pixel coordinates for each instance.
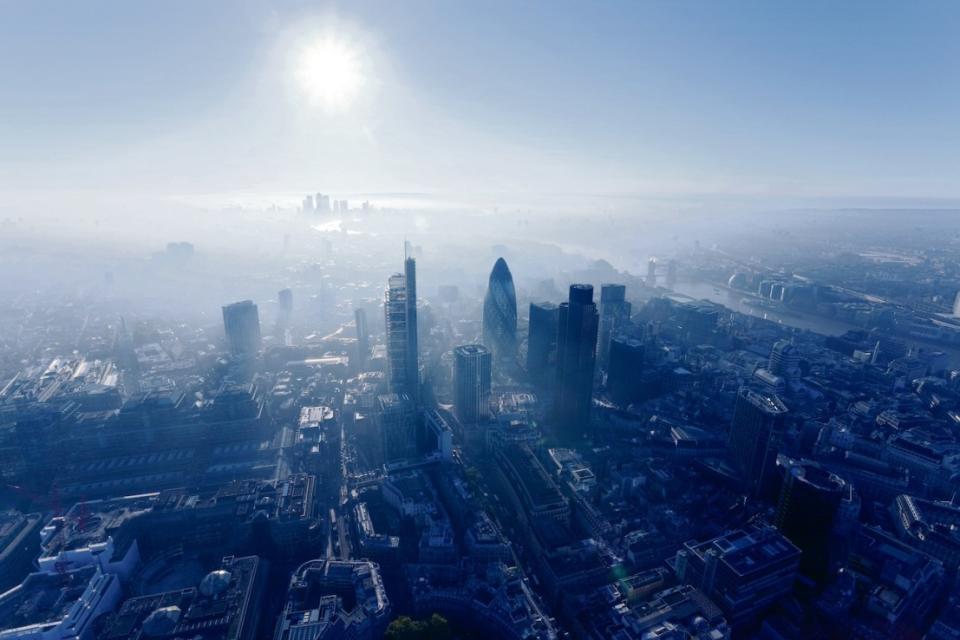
(329, 321)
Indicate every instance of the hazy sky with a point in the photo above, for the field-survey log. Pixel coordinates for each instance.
(481, 99)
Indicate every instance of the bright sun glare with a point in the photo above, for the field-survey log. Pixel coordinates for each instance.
(330, 73)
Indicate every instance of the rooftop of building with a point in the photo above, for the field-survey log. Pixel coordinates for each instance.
(484, 531)
(754, 548)
(216, 609)
(276, 499)
(315, 416)
(44, 600)
(677, 612)
(471, 350)
(13, 527)
(394, 401)
(324, 592)
(498, 593)
(537, 484)
(767, 402)
(812, 474)
(93, 522)
(411, 485)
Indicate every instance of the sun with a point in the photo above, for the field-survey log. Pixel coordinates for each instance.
(330, 73)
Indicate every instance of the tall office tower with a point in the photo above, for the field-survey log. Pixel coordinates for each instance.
(542, 342)
(413, 344)
(624, 370)
(671, 273)
(284, 316)
(784, 360)
(471, 380)
(323, 203)
(400, 318)
(614, 315)
(397, 422)
(755, 436)
(652, 272)
(344, 206)
(363, 337)
(577, 325)
(308, 204)
(395, 319)
(500, 314)
(284, 307)
(810, 498)
(241, 324)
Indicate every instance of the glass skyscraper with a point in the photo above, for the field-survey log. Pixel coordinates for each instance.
(755, 437)
(363, 337)
(614, 315)
(542, 342)
(400, 319)
(500, 313)
(576, 357)
(471, 380)
(241, 324)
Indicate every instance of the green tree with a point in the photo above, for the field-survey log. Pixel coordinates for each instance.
(406, 628)
(438, 628)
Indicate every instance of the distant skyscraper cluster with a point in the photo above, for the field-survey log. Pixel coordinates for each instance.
(500, 314)
(323, 203)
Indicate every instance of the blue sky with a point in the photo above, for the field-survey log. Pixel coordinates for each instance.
(655, 99)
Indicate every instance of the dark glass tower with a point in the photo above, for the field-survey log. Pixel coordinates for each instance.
(755, 437)
(500, 313)
(413, 344)
(576, 355)
(471, 379)
(624, 370)
(542, 342)
(614, 315)
(241, 324)
(397, 421)
(810, 498)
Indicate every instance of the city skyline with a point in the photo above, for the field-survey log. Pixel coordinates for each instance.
(448, 321)
(849, 103)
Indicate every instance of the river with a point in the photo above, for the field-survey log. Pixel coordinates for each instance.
(825, 326)
(733, 300)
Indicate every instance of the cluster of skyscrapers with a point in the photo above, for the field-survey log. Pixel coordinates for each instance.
(323, 203)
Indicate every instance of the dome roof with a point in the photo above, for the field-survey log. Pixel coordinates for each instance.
(161, 621)
(215, 582)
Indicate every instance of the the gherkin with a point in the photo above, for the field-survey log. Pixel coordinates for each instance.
(500, 313)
